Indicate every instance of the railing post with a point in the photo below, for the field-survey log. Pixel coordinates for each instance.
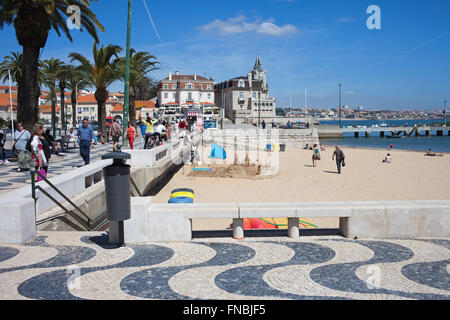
(33, 189)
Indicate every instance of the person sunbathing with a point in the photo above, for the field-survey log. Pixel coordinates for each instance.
(433, 154)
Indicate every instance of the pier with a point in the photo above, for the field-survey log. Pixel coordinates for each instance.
(337, 132)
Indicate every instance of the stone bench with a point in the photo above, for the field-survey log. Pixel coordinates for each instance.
(400, 219)
(395, 219)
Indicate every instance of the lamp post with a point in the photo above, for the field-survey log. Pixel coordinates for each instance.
(10, 104)
(127, 78)
(340, 95)
(259, 108)
(53, 112)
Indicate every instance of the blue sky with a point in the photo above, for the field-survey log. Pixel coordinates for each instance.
(302, 44)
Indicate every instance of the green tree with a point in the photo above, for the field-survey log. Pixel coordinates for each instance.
(100, 74)
(33, 20)
(63, 76)
(51, 70)
(12, 65)
(141, 63)
(75, 83)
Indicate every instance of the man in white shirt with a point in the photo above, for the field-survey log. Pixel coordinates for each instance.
(160, 130)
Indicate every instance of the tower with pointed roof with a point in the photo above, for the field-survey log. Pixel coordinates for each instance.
(245, 98)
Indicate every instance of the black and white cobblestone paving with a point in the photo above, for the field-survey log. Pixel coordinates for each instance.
(71, 265)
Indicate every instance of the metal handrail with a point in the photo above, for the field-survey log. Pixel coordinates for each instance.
(89, 225)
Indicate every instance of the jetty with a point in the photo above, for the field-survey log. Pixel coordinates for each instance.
(409, 131)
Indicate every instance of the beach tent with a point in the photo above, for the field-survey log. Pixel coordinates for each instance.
(217, 152)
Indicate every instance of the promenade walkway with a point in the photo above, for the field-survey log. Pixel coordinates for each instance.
(71, 265)
(10, 179)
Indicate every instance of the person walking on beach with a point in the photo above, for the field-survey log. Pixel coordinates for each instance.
(340, 158)
(115, 131)
(131, 134)
(86, 137)
(21, 137)
(316, 155)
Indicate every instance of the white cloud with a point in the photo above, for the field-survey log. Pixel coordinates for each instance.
(241, 25)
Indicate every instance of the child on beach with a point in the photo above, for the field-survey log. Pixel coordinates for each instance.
(387, 159)
(316, 155)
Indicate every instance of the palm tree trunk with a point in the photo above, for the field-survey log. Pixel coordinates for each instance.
(63, 109)
(26, 112)
(101, 95)
(74, 107)
(36, 102)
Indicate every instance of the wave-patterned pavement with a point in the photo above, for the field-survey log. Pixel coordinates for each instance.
(83, 266)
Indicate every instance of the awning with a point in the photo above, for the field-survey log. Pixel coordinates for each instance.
(194, 114)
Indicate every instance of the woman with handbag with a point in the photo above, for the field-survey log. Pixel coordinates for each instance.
(21, 137)
(41, 152)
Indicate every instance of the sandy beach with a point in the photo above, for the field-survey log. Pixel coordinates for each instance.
(410, 176)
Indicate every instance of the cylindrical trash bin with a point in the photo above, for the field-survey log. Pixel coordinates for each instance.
(282, 147)
(118, 198)
(117, 188)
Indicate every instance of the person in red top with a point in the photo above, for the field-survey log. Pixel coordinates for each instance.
(182, 129)
(131, 134)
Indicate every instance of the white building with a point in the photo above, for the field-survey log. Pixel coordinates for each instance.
(177, 93)
(246, 98)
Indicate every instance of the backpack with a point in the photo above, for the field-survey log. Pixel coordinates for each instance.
(28, 145)
(45, 147)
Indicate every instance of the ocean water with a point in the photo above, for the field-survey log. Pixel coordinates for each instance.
(437, 144)
(422, 143)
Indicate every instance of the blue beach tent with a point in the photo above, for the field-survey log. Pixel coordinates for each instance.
(217, 152)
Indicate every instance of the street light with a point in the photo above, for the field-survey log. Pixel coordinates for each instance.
(10, 103)
(340, 95)
(127, 79)
(259, 108)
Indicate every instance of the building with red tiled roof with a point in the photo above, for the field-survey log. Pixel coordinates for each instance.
(5, 89)
(143, 107)
(5, 105)
(177, 93)
(45, 113)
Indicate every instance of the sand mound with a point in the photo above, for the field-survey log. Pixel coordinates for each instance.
(231, 171)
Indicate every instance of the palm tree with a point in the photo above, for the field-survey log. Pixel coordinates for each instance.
(51, 70)
(12, 64)
(102, 73)
(75, 83)
(63, 76)
(33, 20)
(140, 65)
